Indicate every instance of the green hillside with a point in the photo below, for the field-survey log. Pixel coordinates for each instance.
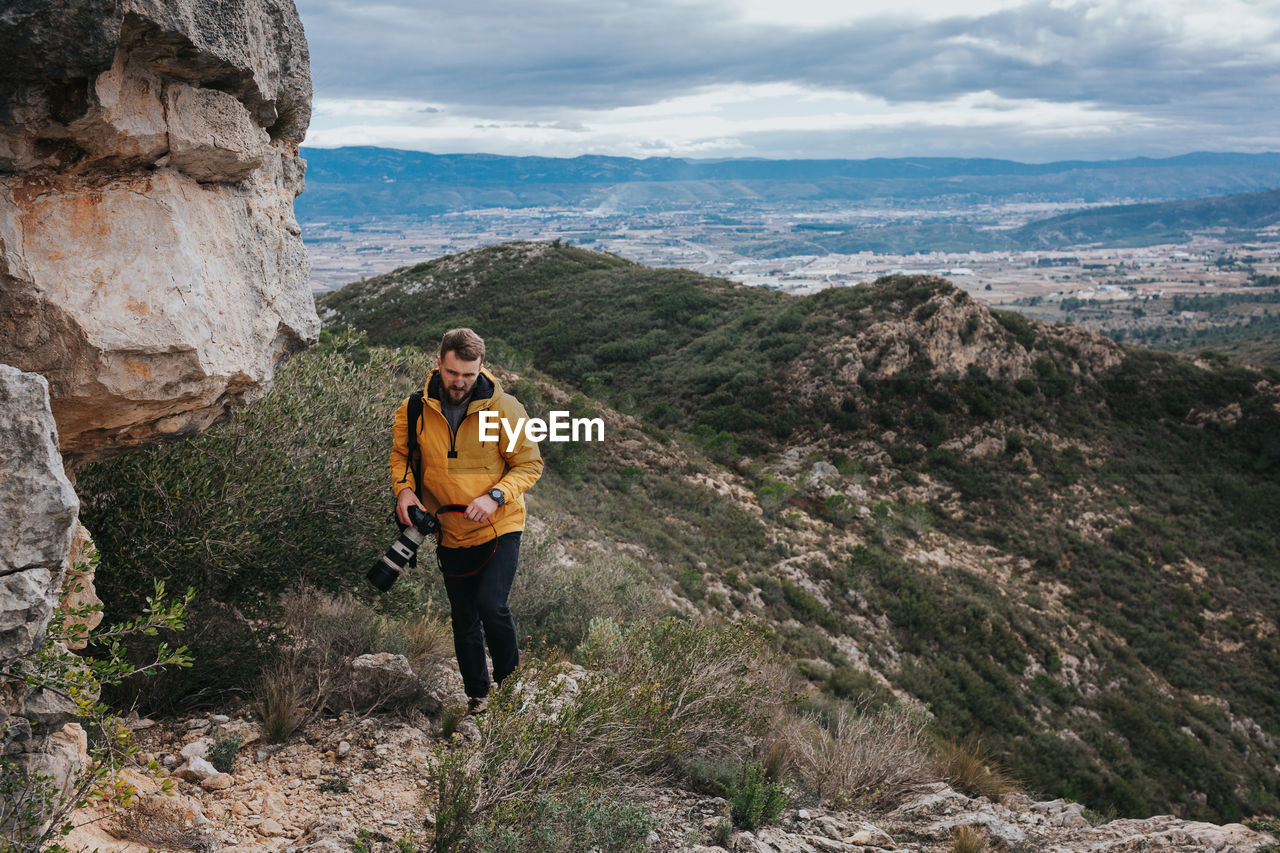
(1064, 547)
(1237, 216)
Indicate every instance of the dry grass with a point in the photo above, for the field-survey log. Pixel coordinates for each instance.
(284, 702)
(450, 718)
(969, 839)
(968, 769)
(667, 690)
(429, 640)
(868, 758)
(156, 826)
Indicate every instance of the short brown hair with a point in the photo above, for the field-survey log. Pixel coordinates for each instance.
(467, 344)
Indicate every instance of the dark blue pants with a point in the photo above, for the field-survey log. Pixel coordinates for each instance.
(478, 607)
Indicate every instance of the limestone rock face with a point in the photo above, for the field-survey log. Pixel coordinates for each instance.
(38, 508)
(150, 264)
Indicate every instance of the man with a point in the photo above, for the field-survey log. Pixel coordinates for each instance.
(478, 547)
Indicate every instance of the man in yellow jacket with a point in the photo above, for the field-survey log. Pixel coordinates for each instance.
(479, 485)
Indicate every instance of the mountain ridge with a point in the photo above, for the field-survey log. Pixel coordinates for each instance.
(347, 183)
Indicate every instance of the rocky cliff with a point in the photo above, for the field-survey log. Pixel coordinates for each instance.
(152, 273)
(150, 264)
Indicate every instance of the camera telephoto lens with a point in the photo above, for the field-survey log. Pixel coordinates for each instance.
(388, 567)
(382, 576)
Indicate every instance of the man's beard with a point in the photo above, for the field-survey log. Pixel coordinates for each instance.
(457, 398)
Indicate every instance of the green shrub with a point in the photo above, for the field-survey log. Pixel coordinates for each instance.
(916, 518)
(690, 581)
(455, 790)
(335, 785)
(755, 800)
(774, 494)
(578, 821)
(224, 750)
(555, 601)
(35, 809)
(294, 486)
(1016, 325)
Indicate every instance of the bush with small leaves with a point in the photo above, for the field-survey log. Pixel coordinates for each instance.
(223, 752)
(335, 785)
(657, 696)
(35, 810)
(578, 821)
(456, 789)
(755, 800)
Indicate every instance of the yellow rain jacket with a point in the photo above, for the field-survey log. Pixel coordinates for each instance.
(457, 469)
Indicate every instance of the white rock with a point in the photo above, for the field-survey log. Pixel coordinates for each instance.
(218, 782)
(270, 828)
(274, 805)
(196, 770)
(212, 137)
(197, 749)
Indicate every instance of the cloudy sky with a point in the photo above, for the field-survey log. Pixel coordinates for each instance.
(1032, 81)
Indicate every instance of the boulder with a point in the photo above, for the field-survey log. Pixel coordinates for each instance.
(39, 507)
(150, 264)
(81, 595)
(196, 769)
(382, 680)
(62, 758)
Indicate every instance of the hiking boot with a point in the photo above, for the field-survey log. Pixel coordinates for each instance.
(477, 706)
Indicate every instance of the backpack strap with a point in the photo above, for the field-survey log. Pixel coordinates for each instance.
(415, 460)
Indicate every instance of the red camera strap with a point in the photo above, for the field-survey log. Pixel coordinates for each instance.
(460, 509)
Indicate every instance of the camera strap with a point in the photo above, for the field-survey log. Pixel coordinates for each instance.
(459, 509)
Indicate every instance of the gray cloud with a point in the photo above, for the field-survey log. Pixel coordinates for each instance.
(513, 59)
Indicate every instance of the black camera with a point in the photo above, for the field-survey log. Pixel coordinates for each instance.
(388, 567)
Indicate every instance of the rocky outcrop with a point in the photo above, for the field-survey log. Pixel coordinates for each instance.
(151, 271)
(39, 510)
(952, 334)
(150, 264)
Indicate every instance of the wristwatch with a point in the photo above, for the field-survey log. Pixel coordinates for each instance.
(498, 496)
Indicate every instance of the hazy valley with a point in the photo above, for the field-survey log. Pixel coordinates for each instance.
(1076, 241)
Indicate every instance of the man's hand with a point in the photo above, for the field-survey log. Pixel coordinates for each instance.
(404, 500)
(479, 509)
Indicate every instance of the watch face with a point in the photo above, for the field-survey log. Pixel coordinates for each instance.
(496, 494)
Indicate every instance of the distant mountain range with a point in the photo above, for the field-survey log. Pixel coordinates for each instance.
(364, 182)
